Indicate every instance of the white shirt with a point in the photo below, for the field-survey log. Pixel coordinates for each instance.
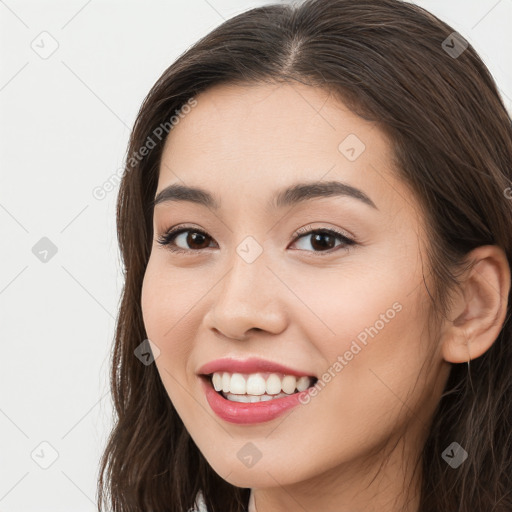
(252, 505)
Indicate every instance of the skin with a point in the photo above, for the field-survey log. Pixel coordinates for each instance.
(354, 446)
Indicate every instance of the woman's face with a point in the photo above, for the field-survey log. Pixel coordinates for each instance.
(352, 315)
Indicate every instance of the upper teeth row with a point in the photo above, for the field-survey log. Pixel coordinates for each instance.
(256, 384)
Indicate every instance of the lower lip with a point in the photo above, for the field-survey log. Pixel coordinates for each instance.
(256, 412)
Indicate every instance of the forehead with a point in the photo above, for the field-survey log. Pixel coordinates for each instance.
(250, 140)
(287, 119)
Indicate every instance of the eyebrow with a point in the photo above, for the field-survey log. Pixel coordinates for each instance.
(289, 196)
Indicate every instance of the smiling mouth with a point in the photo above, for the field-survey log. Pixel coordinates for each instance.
(257, 387)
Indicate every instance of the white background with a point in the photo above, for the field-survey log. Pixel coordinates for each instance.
(65, 122)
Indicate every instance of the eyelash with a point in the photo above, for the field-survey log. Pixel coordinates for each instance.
(167, 238)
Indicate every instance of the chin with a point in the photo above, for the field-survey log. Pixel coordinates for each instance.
(260, 475)
(252, 478)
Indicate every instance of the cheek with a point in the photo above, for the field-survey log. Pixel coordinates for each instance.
(164, 311)
(370, 329)
(153, 301)
(167, 298)
(161, 312)
(171, 313)
(360, 301)
(369, 390)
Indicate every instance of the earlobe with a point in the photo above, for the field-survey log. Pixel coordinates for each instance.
(480, 309)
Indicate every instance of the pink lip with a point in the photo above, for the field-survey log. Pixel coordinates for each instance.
(251, 365)
(244, 413)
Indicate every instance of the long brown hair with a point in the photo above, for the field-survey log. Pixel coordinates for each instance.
(391, 62)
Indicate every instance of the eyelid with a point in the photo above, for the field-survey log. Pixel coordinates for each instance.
(309, 229)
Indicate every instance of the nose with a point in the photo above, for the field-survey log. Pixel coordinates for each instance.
(247, 299)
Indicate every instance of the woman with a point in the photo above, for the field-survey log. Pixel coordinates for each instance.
(316, 225)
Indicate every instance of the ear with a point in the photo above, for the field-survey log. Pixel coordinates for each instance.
(480, 309)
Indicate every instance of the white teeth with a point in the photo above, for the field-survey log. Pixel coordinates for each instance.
(255, 384)
(238, 385)
(273, 384)
(303, 383)
(226, 379)
(217, 381)
(289, 383)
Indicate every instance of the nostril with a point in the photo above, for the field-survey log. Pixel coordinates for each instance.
(231, 337)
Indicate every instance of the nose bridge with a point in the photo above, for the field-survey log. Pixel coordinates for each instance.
(246, 297)
(243, 287)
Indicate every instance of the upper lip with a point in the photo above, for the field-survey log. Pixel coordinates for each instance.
(250, 365)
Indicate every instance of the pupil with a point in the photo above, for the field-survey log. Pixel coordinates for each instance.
(318, 236)
(193, 235)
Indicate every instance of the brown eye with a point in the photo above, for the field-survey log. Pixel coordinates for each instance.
(324, 240)
(195, 239)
